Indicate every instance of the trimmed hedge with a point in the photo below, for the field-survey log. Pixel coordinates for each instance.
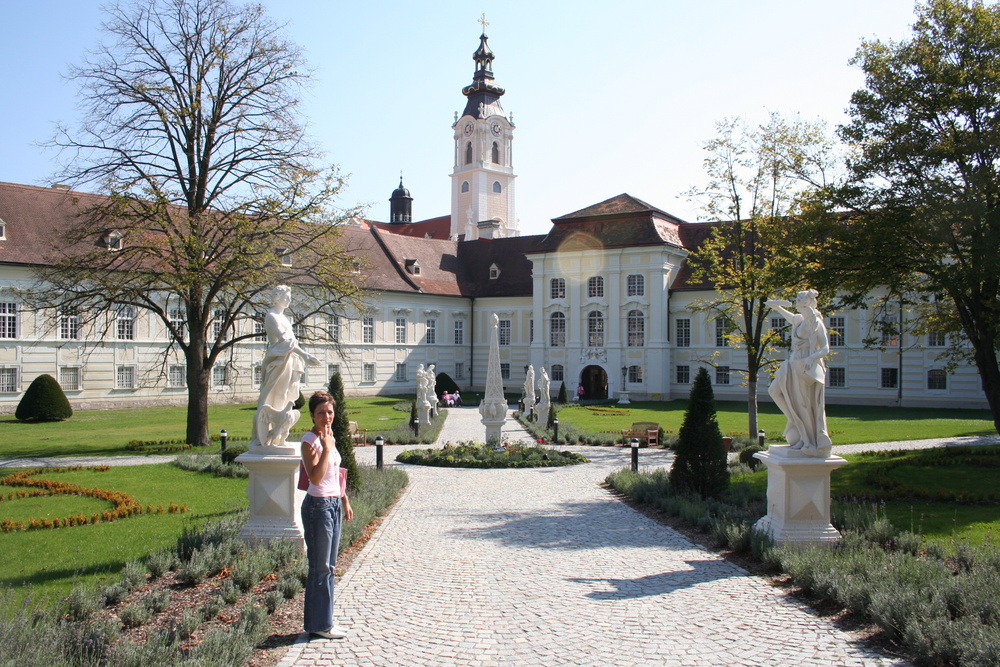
(44, 401)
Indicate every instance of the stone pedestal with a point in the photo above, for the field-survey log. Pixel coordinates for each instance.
(623, 398)
(798, 496)
(274, 498)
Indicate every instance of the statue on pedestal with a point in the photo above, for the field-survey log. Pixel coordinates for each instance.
(529, 389)
(281, 373)
(799, 386)
(544, 400)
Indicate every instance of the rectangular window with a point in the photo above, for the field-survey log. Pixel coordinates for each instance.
(368, 373)
(430, 333)
(504, 371)
(400, 372)
(531, 331)
(459, 371)
(503, 335)
(890, 378)
(890, 333)
(937, 379)
(683, 336)
(936, 339)
(125, 377)
(259, 334)
(779, 325)
(459, 332)
(177, 376)
(258, 375)
(8, 319)
(635, 374)
(69, 323)
(300, 331)
(9, 381)
(595, 287)
(720, 333)
(125, 324)
(838, 331)
(683, 374)
(178, 322)
(220, 376)
(636, 285)
(218, 324)
(400, 330)
(557, 330)
(367, 329)
(836, 376)
(722, 375)
(333, 329)
(557, 373)
(69, 378)
(558, 286)
(332, 369)
(595, 329)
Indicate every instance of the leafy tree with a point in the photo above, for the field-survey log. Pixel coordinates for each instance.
(44, 401)
(210, 196)
(700, 465)
(341, 429)
(756, 177)
(920, 210)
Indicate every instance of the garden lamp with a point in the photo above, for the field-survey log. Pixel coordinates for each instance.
(635, 454)
(379, 441)
(760, 437)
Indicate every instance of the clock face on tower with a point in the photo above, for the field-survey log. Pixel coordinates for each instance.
(496, 128)
(468, 129)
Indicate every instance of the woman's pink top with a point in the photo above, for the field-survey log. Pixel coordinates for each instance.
(330, 486)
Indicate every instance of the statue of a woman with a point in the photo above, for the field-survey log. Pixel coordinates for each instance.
(281, 372)
(799, 386)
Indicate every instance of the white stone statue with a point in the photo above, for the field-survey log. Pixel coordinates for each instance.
(432, 398)
(799, 386)
(544, 400)
(281, 372)
(529, 389)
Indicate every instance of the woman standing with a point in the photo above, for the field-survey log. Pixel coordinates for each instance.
(321, 516)
(799, 386)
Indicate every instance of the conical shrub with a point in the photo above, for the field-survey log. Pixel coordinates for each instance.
(341, 429)
(700, 457)
(44, 402)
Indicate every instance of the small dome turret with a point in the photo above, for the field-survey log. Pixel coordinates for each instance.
(401, 204)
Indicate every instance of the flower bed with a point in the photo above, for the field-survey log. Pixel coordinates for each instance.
(509, 455)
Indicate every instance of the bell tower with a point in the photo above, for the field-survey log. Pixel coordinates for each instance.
(482, 181)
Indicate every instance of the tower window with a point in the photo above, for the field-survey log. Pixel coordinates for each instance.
(465, 186)
(468, 152)
(496, 153)
(497, 188)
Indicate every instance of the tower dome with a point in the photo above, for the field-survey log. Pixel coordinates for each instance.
(401, 204)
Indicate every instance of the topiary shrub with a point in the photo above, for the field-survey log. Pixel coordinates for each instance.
(44, 402)
(444, 383)
(341, 428)
(746, 456)
(301, 401)
(229, 454)
(563, 397)
(701, 463)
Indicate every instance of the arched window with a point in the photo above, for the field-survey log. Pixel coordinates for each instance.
(595, 329)
(595, 287)
(465, 186)
(557, 373)
(497, 189)
(557, 330)
(636, 329)
(468, 152)
(496, 153)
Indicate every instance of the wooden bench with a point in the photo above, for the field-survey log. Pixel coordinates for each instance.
(648, 431)
(358, 435)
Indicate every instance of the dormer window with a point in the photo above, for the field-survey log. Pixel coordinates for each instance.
(284, 256)
(355, 265)
(113, 240)
(494, 272)
(413, 267)
(3, 230)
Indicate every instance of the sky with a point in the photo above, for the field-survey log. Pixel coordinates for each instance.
(607, 97)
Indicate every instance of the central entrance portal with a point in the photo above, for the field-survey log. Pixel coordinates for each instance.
(595, 383)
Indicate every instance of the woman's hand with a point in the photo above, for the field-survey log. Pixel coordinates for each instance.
(348, 512)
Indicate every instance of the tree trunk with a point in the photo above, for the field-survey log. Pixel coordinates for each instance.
(989, 373)
(752, 407)
(197, 409)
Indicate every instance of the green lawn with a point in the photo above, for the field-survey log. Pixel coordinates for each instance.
(107, 432)
(50, 560)
(848, 424)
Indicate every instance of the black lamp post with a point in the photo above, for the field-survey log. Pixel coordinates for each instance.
(555, 430)
(635, 454)
(224, 438)
(760, 437)
(379, 441)
(624, 376)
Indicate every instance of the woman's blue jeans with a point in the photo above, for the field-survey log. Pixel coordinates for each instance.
(321, 523)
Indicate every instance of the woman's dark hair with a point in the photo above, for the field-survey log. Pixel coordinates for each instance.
(318, 399)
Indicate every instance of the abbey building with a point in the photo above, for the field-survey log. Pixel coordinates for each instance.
(602, 301)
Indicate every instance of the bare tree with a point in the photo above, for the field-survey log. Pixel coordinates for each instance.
(190, 132)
